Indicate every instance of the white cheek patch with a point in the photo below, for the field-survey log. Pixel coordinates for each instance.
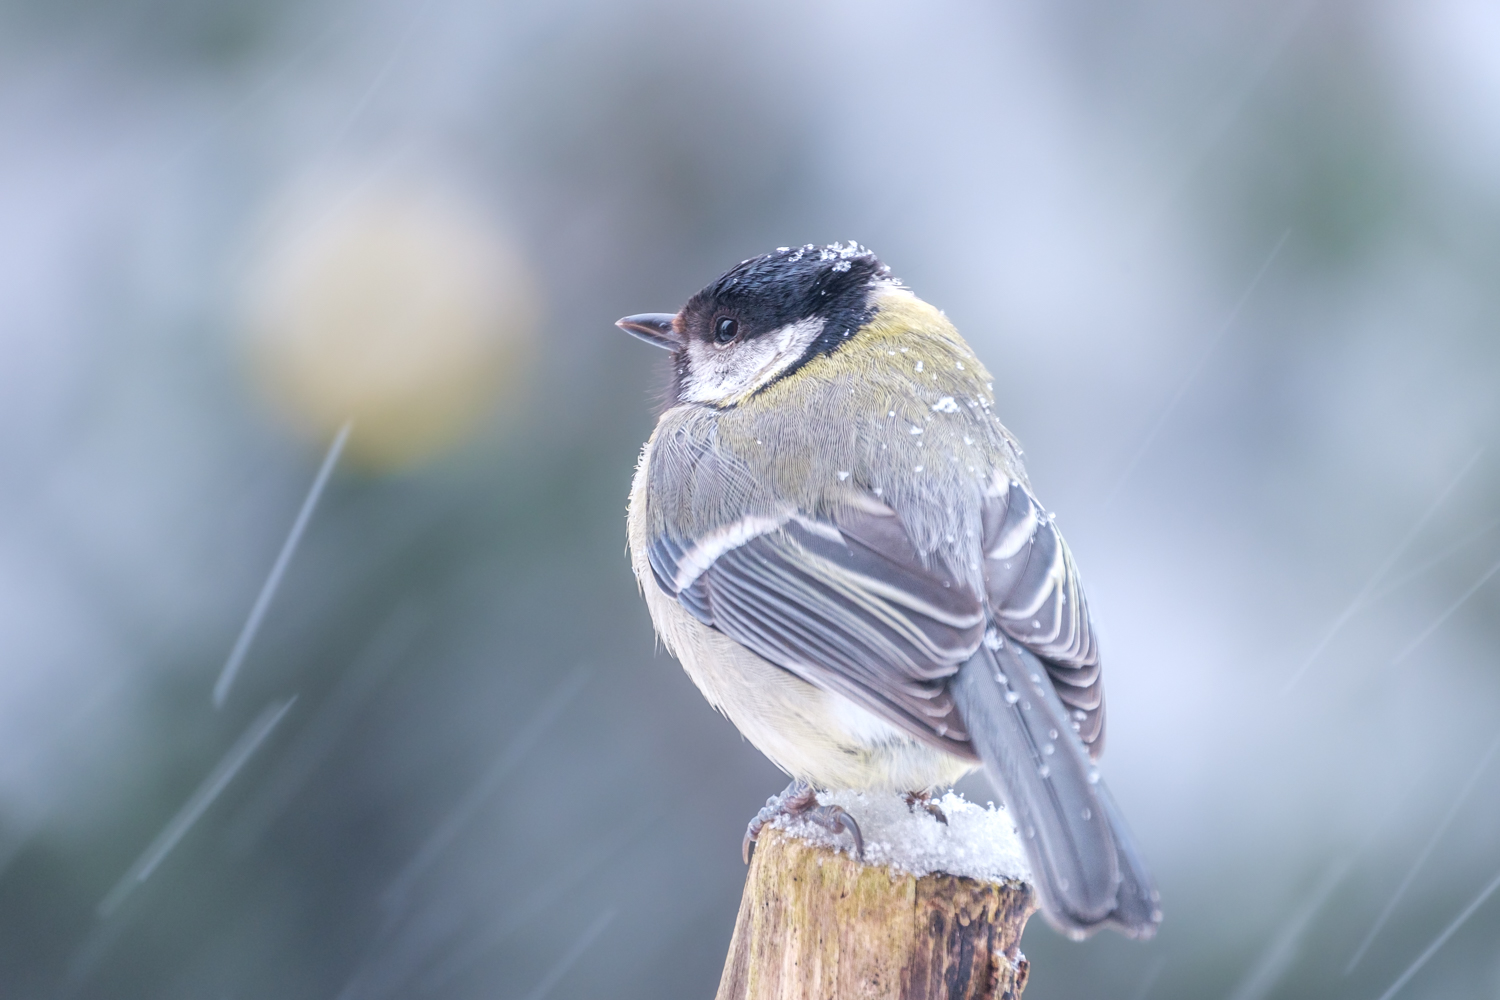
(719, 374)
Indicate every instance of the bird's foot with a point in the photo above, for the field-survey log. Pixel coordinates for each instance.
(800, 800)
(924, 799)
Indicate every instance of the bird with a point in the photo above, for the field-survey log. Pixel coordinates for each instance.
(836, 537)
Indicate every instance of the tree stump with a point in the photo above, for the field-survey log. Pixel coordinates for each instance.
(815, 924)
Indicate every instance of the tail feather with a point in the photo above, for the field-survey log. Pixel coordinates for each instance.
(1139, 909)
(1088, 871)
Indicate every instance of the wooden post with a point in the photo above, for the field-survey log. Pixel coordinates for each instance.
(818, 925)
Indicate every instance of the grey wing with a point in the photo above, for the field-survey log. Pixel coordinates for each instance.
(847, 605)
(1037, 600)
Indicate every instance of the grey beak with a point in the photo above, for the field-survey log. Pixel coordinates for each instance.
(653, 328)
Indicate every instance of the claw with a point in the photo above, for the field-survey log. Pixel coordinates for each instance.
(796, 799)
(913, 799)
(836, 819)
(801, 799)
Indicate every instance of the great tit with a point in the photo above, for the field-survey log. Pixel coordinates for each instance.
(837, 538)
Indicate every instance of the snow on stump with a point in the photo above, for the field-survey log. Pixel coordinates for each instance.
(934, 911)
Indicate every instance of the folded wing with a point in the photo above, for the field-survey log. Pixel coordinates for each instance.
(851, 606)
(1034, 590)
(847, 605)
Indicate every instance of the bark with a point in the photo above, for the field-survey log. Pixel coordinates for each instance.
(816, 925)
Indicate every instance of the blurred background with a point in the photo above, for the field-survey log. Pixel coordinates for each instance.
(1236, 267)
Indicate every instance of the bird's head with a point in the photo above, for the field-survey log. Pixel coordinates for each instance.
(764, 319)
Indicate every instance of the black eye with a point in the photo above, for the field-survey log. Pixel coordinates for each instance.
(725, 329)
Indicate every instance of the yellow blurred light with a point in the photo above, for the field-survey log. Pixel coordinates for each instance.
(400, 309)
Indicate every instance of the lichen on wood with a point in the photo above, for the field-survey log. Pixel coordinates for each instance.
(815, 924)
